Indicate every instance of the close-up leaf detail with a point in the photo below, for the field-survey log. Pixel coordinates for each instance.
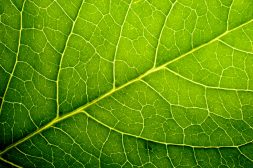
(126, 83)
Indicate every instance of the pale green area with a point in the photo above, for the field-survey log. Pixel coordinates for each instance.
(126, 83)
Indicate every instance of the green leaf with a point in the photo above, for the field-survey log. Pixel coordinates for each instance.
(129, 83)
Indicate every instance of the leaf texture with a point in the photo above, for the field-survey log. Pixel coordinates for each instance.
(129, 83)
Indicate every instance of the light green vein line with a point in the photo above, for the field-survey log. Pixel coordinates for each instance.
(62, 55)
(234, 48)
(245, 155)
(159, 142)
(16, 60)
(81, 108)
(10, 163)
(117, 45)
(161, 33)
(118, 131)
(206, 86)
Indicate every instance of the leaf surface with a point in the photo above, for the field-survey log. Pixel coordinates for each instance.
(128, 83)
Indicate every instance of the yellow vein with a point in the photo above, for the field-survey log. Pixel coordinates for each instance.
(117, 45)
(103, 124)
(10, 163)
(247, 157)
(81, 108)
(62, 55)
(159, 142)
(16, 60)
(161, 33)
(206, 86)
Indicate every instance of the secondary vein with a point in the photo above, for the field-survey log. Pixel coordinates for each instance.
(62, 55)
(16, 60)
